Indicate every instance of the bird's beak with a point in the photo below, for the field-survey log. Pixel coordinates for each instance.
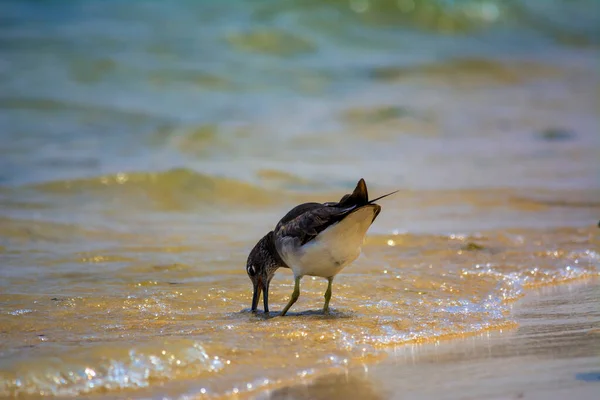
(256, 296)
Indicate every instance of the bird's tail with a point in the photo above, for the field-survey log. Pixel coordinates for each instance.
(360, 196)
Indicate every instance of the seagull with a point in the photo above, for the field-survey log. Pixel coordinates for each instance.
(314, 239)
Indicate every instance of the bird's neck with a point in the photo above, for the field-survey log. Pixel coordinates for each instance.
(268, 243)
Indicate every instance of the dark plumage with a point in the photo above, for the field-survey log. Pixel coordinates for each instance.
(317, 239)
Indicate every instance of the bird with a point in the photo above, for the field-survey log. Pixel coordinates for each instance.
(314, 239)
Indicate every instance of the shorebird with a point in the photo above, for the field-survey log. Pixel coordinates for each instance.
(314, 239)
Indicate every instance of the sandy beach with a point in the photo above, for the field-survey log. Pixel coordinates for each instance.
(553, 354)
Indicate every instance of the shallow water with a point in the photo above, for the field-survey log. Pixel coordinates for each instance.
(148, 146)
(553, 354)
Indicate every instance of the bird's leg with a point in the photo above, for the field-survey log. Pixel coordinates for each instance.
(327, 295)
(295, 295)
(266, 296)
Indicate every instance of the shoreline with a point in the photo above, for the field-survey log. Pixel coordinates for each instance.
(552, 354)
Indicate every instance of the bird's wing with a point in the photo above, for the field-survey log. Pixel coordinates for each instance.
(306, 221)
(299, 210)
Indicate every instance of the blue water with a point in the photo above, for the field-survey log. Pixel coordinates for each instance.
(88, 86)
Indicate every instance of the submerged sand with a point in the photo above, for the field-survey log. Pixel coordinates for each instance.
(553, 354)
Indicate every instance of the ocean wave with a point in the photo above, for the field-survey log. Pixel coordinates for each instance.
(92, 112)
(168, 190)
(100, 368)
(559, 19)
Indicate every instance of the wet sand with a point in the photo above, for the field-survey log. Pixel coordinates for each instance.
(553, 354)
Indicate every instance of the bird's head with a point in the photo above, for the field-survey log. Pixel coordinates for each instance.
(261, 267)
(256, 273)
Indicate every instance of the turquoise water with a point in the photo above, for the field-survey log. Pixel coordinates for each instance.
(90, 87)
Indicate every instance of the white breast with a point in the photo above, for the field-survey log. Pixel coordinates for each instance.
(333, 249)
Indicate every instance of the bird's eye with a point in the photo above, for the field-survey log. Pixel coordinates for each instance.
(251, 270)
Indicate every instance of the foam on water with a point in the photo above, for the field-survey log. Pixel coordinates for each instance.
(75, 372)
